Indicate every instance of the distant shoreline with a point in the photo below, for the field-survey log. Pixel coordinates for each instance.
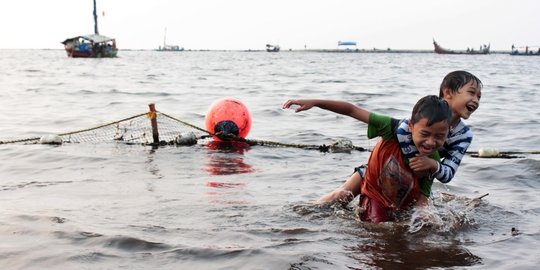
(371, 51)
(330, 51)
(290, 50)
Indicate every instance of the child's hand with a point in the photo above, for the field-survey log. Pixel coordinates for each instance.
(423, 165)
(303, 103)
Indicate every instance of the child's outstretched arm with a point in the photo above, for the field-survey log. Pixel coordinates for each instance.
(337, 106)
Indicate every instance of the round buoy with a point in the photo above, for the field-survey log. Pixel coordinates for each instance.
(226, 117)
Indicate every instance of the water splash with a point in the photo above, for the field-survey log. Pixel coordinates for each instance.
(445, 213)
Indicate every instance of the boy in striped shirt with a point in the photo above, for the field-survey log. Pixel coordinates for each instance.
(462, 91)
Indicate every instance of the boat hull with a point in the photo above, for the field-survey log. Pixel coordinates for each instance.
(170, 48)
(91, 46)
(272, 48)
(88, 54)
(441, 50)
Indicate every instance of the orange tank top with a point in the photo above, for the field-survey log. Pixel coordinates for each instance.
(387, 179)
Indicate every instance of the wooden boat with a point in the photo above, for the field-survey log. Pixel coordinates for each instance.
(168, 48)
(526, 51)
(440, 50)
(272, 48)
(91, 46)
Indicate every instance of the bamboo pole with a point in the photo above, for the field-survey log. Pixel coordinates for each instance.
(153, 120)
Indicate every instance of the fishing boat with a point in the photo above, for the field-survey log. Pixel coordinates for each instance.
(346, 43)
(91, 46)
(484, 49)
(272, 48)
(347, 46)
(527, 50)
(168, 48)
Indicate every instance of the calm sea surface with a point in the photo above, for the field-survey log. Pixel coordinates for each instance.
(110, 205)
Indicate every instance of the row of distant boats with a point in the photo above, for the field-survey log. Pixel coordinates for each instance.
(99, 46)
(484, 49)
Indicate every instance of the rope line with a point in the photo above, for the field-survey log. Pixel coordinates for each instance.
(20, 140)
(505, 155)
(231, 137)
(248, 141)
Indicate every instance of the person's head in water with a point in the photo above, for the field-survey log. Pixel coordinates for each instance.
(430, 123)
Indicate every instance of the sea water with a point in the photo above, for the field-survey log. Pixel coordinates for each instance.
(111, 205)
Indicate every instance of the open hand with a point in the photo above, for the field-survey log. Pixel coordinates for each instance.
(304, 104)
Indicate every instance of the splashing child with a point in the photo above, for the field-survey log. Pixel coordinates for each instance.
(390, 185)
(462, 91)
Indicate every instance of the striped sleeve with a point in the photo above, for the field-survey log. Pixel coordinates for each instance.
(455, 148)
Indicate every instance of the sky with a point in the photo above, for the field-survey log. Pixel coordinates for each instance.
(292, 24)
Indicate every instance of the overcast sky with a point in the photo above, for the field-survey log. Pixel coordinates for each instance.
(250, 24)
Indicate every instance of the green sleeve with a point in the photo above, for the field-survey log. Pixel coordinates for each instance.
(380, 125)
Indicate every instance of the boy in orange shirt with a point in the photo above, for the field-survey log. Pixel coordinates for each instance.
(390, 185)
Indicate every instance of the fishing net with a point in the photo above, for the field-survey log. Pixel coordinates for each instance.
(158, 128)
(133, 130)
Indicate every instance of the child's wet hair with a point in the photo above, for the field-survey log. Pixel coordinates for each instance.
(457, 79)
(433, 108)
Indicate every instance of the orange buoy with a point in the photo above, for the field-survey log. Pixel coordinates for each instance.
(226, 117)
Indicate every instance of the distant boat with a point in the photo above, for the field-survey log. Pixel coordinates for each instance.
(348, 46)
(272, 48)
(346, 43)
(440, 50)
(168, 48)
(527, 50)
(91, 46)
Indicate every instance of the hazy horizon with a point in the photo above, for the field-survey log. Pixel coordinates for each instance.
(249, 25)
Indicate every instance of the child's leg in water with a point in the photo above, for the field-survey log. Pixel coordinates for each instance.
(346, 192)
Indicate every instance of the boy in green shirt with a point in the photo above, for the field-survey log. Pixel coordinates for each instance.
(389, 184)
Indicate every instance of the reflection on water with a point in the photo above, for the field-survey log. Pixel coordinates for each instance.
(426, 238)
(393, 247)
(227, 158)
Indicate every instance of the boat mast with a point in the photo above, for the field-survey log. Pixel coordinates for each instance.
(95, 20)
(165, 37)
